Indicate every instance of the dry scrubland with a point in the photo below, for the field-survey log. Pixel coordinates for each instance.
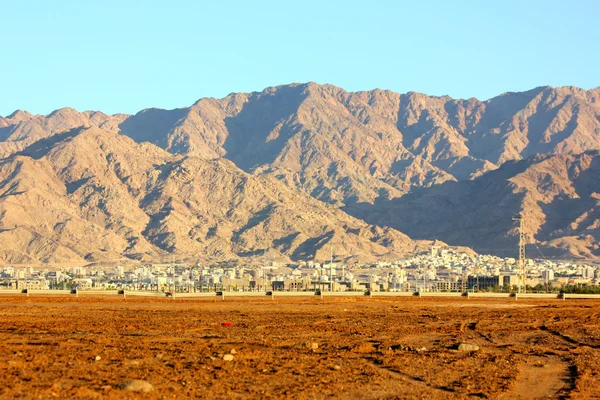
(343, 348)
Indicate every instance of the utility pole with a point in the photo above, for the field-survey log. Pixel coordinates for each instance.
(322, 272)
(331, 266)
(265, 269)
(522, 272)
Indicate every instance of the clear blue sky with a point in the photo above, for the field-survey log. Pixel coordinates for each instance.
(123, 56)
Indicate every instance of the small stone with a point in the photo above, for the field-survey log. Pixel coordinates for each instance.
(131, 362)
(364, 348)
(314, 346)
(467, 347)
(337, 367)
(232, 351)
(136, 385)
(98, 358)
(159, 356)
(228, 357)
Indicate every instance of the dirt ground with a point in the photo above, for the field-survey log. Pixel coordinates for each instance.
(64, 347)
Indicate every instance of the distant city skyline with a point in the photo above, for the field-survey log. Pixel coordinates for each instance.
(118, 57)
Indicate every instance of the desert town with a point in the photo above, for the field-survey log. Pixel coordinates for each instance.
(439, 270)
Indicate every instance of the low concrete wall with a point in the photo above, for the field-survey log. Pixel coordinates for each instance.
(395, 294)
(276, 294)
(538, 296)
(488, 295)
(10, 292)
(581, 296)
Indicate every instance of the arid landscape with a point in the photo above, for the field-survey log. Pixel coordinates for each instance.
(88, 347)
(300, 200)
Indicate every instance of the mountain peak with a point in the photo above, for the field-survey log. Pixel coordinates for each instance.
(65, 111)
(20, 115)
(528, 93)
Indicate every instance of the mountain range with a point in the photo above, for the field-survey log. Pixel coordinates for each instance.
(297, 171)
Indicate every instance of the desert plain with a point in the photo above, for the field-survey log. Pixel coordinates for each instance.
(348, 348)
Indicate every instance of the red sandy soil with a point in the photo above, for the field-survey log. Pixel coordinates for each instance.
(64, 347)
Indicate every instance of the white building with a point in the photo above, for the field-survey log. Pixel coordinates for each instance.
(548, 275)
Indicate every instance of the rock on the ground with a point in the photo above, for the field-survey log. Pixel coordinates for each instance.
(136, 385)
(364, 348)
(467, 347)
(228, 357)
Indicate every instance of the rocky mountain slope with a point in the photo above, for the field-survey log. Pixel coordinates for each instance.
(346, 147)
(21, 129)
(558, 195)
(396, 160)
(91, 195)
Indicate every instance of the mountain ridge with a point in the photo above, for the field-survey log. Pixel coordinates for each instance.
(444, 96)
(356, 151)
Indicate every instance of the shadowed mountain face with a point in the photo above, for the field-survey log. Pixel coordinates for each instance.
(429, 166)
(558, 195)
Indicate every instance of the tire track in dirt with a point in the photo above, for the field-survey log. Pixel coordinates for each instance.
(408, 378)
(567, 339)
(541, 378)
